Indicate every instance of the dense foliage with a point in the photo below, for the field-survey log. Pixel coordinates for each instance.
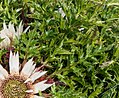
(80, 50)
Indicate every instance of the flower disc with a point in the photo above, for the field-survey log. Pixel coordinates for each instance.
(14, 87)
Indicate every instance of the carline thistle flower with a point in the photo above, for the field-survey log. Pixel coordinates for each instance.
(20, 82)
(8, 34)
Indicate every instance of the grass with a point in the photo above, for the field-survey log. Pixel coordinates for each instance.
(80, 50)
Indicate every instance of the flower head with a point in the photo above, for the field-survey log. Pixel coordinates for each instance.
(19, 83)
(9, 33)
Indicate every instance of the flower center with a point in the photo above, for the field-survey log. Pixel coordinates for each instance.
(14, 89)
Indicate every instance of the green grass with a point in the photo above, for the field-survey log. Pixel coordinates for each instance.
(81, 49)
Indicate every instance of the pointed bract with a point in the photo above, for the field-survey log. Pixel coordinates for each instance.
(11, 33)
(19, 30)
(26, 29)
(37, 75)
(6, 41)
(41, 86)
(28, 68)
(3, 71)
(14, 63)
(4, 26)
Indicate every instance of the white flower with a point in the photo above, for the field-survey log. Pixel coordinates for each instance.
(9, 32)
(19, 83)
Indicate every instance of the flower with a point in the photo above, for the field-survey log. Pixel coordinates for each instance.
(20, 82)
(9, 33)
